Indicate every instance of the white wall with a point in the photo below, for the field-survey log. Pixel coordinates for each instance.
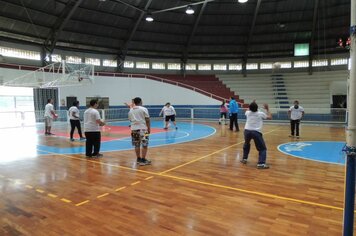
(338, 88)
(121, 90)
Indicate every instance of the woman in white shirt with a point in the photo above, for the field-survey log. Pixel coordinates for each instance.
(253, 130)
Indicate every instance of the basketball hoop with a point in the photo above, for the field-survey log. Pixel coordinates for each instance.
(60, 74)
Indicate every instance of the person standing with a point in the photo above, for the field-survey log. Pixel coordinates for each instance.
(75, 120)
(223, 112)
(169, 114)
(49, 115)
(253, 130)
(295, 114)
(140, 130)
(92, 123)
(233, 111)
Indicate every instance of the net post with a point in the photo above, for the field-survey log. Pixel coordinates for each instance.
(192, 113)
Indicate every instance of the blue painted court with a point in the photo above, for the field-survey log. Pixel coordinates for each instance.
(322, 151)
(186, 132)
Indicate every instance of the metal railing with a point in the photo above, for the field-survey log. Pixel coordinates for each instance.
(10, 119)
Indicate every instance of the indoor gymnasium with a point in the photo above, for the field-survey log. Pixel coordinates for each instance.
(177, 117)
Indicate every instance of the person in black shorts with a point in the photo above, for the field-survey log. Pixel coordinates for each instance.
(169, 114)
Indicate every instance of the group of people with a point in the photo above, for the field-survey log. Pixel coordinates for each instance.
(140, 126)
(232, 109)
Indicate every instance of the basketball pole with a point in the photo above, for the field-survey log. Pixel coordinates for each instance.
(349, 203)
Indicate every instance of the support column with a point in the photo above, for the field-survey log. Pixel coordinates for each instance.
(349, 203)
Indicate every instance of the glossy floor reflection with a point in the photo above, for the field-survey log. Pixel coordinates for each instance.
(196, 187)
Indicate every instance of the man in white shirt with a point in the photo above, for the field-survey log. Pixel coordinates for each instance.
(169, 113)
(92, 123)
(295, 114)
(49, 115)
(140, 130)
(253, 130)
(75, 120)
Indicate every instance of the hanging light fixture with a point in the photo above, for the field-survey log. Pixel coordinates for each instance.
(189, 10)
(242, 1)
(149, 17)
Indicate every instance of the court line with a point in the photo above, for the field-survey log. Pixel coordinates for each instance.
(101, 163)
(213, 153)
(206, 183)
(254, 192)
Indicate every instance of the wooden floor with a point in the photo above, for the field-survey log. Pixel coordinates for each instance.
(195, 188)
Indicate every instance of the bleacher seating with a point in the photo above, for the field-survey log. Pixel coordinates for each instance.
(313, 91)
(208, 83)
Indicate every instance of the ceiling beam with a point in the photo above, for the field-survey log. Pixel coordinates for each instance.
(61, 21)
(244, 60)
(125, 46)
(312, 37)
(192, 33)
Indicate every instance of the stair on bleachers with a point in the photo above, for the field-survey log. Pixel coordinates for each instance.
(280, 91)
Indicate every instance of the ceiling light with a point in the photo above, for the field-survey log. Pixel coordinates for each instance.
(189, 10)
(242, 1)
(102, 0)
(149, 17)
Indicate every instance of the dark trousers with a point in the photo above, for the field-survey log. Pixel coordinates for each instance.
(294, 126)
(233, 121)
(92, 140)
(259, 143)
(73, 124)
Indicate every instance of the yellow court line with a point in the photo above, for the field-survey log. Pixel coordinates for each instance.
(149, 178)
(199, 182)
(255, 193)
(101, 163)
(82, 203)
(39, 190)
(52, 195)
(65, 200)
(28, 186)
(137, 182)
(119, 189)
(102, 195)
(213, 153)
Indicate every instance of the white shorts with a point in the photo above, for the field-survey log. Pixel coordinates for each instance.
(48, 121)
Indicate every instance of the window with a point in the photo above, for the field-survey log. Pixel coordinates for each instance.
(338, 61)
(321, 62)
(92, 61)
(129, 64)
(174, 66)
(266, 65)
(142, 65)
(204, 67)
(19, 53)
(286, 64)
(73, 59)
(110, 63)
(190, 66)
(56, 58)
(220, 67)
(301, 64)
(235, 66)
(158, 66)
(251, 66)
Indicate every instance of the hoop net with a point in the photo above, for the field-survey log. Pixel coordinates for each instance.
(59, 74)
